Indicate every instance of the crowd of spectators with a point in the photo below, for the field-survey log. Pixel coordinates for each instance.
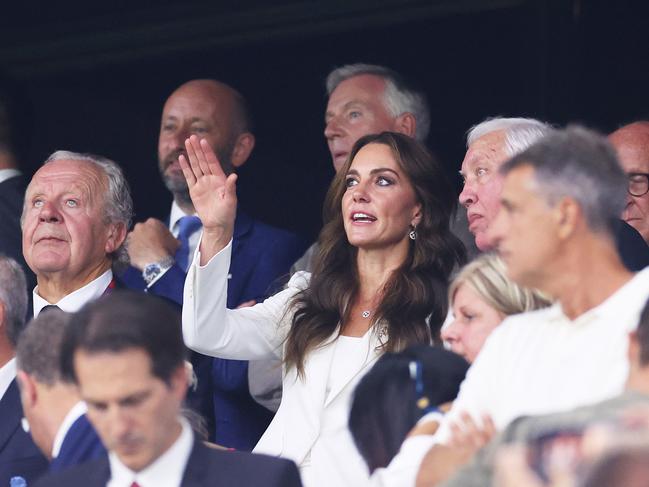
(214, 349)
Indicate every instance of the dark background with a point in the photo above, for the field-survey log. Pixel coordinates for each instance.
(94, 77)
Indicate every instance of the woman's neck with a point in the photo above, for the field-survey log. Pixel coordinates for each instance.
(375, 268)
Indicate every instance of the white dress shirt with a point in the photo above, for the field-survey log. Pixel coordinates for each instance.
(543, 362)
(76, 299)
(166, 471)
(8, 174)
(7, 374)
(174, 218)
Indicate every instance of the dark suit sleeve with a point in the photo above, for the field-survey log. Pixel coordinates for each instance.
(170, 285)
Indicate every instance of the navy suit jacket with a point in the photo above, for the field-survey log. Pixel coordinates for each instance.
(632, 248)
(261, 256)
(81, 444)
(205, 467)
(19, 456)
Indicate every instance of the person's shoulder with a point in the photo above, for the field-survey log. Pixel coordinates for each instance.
(518, 325)
(249, 468)
(88, 474)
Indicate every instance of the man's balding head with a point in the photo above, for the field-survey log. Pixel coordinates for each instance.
(631, 143)
(211, 110)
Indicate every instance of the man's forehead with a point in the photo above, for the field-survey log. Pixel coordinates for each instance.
(488, 149)
(361, 88)
(76, 174)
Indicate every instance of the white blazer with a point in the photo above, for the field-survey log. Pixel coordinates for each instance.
(309, 421)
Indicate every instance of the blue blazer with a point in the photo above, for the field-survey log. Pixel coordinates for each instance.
(206, 467)
(262, 256)
(81, 444)
(19, 456)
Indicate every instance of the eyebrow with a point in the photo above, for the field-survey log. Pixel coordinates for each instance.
(354, 172)
(349, 104)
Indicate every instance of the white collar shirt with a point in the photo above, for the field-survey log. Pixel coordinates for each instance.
(543, 362)
(174, 218)
(78, 410)
(7, 374)
(167, 470)
(76, 299)
(8, 174)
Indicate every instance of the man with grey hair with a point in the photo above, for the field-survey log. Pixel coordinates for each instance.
(75, 218)
(491, 143)
(554, 230)
(366, 99)
(51, 403)
(19, 456)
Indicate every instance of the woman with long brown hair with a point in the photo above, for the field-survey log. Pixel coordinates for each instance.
(379, 285)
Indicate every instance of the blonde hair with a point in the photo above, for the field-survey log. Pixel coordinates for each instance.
(486, 275)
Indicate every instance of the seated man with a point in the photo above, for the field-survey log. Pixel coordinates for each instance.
(126, 354)
(19, 456)
(77, 211)
(490, 144)
(56, 414)
(160, 252)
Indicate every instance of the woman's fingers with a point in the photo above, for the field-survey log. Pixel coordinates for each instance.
(193, 157)
(187, 171)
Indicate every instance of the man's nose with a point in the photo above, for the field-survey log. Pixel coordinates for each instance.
(49, 213)
(468, 195)
(333, 128)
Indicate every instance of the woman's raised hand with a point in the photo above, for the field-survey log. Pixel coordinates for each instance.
(213, 195)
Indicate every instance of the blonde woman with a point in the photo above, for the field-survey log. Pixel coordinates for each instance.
(481, 297)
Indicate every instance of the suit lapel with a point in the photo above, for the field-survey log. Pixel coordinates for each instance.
(196, 468)
(11, 413)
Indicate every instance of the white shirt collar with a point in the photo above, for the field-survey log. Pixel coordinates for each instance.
(76, 299)
(78, 410)
(167, 470)
(7, 374)
(8, 174)
(176, 214)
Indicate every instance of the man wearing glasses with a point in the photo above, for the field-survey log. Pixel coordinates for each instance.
(632, 145)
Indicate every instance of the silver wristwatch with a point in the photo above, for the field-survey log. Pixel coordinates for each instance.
(152, 271)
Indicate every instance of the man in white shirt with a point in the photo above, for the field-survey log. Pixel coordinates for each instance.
(55, 413)
(75, 218)
(554, 231)
(19, 456)
(126, 354)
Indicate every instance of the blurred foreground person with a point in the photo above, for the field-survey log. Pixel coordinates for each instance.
(19, 456)
(399, 391)
(125, 353)
(56, 415)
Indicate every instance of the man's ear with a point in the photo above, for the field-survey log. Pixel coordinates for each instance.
(28, 390)
(568, 217)
(179, 381)
(243, 146)
(406, 124)
(116, 236)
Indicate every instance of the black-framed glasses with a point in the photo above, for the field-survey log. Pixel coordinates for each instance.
(638, 183)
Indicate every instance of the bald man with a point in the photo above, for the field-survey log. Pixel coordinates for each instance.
(160, 252)
(632, 145)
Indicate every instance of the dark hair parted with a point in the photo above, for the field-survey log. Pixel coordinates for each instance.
(125, 320)
(413, 305)
(385, 405)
